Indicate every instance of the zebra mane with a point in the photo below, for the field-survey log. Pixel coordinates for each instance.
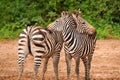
(64, 13)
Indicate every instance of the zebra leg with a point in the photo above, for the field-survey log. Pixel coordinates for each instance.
(77, 61)
(68, 63)
(89, 64)
(37, 62)
(21, 64)
(87, 70)
(44, 67)
(22, 53)
(56, 58)
(89, 61)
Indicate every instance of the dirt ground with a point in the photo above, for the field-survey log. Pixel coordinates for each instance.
(105, 63)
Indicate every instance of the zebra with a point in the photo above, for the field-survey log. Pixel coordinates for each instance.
(79, 41)
(40, 43)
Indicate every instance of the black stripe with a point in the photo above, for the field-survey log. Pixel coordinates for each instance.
(20, 48)
(84, 47)
(39, 39)
(35, 28)
(23, 32)
(74, 45)
(21, 44)
(29, 46)
(47, 46)
(37, 56)
(71, 42)
(37, 33)
(37, 64)
(38, 59)
(69, 36)
(86, 51)
(39, 45)
(40, 51)
(20, 53)
(65, 35)
(20, 57)
(22, 41)
(27, 28)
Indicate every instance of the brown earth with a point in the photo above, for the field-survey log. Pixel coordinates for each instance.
(105, 64)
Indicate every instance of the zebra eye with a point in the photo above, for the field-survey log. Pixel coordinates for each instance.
(83, 22)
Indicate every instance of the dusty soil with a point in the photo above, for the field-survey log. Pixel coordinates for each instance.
(105, 64)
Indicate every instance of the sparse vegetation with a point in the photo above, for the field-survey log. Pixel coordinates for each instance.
(15, 15)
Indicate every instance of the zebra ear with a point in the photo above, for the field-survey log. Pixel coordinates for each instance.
(64, 13)
(77, 13)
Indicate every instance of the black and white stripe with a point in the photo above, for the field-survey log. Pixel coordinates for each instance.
(41, 43)
(79, 41)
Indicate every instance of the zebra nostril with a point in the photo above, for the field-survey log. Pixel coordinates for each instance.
(93, 29)
(83, 22)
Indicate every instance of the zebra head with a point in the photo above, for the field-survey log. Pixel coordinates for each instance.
(64, 22)
(82, 25)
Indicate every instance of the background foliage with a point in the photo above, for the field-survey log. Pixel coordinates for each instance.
(15, 15)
